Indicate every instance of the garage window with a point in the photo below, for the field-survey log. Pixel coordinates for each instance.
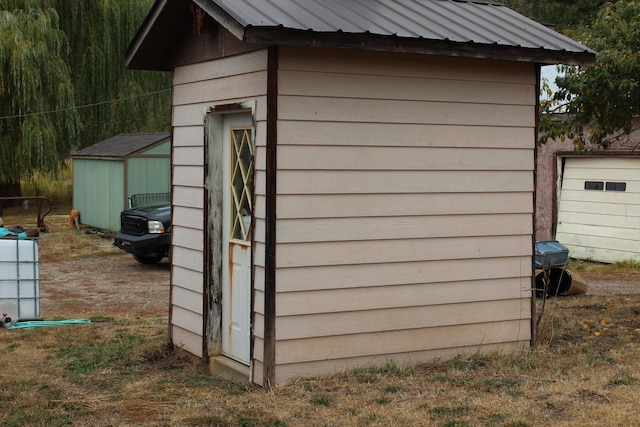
(616, 186)
(594, 185)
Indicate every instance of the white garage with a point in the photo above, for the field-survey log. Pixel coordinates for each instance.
(599, 208)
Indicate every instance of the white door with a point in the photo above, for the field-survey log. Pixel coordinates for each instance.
(238, 153)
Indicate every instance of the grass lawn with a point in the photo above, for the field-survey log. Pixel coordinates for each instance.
(120, 371)
(583, 371)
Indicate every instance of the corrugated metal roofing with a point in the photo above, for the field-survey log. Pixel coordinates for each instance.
(122, 145)
(435, 27)
(449, 20)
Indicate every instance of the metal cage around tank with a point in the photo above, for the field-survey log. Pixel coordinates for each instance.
(20, 278)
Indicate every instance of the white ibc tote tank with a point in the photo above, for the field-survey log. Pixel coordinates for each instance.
(20, 279)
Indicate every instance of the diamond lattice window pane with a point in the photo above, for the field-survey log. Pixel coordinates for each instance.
(241, 183)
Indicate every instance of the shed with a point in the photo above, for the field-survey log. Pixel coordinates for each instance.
(106, 174)
(353, 182)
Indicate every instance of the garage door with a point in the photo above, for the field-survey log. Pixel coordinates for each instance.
(599, 209)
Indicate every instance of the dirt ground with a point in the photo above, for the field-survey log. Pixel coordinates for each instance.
(611, 282)
(110, 285)
(115, 285)
(98, 279)
(583, 370)
(82, 275)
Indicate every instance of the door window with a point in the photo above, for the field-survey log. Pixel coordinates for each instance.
(241, 183)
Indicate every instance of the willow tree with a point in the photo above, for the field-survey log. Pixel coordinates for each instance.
(38, 119)
(64, 84)
(111, 98)
(562, 14)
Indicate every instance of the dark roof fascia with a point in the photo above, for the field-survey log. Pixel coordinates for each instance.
(118, 159)
(603, 153)
(144, 30)
(163, 27)
(269, 36)
(222, 17)
(97, 157)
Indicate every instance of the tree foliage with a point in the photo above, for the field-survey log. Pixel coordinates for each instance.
(64, 84)
(112, 98)
(34, 78)
(599, 103)
(562, 14)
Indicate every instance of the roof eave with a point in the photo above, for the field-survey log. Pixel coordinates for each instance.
(163, 26)
(292, 37)
(143, 32)
(97, 157)
(222, 17)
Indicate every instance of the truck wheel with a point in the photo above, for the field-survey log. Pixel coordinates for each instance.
(148, 259)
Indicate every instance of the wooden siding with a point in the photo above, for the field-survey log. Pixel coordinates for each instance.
(148, 175)
(161, 150)
(600, 225)
(99, 192)
(405, 205)
(196, 88)
(307, 369)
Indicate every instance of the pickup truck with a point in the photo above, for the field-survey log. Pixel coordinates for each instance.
(145, 232)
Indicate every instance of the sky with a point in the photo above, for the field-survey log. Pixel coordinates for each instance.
(549, 72)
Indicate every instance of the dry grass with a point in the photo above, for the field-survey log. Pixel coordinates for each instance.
(584, 371)
(57, 187)
(627, 266)
(65, 242)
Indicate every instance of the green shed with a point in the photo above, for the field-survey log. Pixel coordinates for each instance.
(106, 174)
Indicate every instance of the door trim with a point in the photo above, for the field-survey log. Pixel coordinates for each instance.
(213, 239)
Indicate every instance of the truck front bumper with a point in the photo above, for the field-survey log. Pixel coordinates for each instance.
(145, 244)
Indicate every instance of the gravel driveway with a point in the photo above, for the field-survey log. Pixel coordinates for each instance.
(110, 286)
(84, 275)
(611, 283)
(118, 286)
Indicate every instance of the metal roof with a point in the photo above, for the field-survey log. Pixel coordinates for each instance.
(122, 145)
(442, 27)
(460, 21)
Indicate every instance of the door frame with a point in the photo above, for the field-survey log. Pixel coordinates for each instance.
(213, 238)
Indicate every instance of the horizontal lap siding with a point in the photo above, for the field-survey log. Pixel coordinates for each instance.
(99, 208)
(405, 202)
(346, 276)
(302, 369)
(195, 88)
(341, 182)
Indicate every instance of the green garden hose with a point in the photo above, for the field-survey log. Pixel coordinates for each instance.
(46, 323)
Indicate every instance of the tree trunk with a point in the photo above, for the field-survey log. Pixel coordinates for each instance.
(9, 189)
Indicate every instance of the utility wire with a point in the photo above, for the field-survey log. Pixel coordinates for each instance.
(19, 116)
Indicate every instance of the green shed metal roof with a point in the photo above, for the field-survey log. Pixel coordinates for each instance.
(122, 145)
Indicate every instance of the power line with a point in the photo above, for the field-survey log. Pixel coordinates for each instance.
(19, 116)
